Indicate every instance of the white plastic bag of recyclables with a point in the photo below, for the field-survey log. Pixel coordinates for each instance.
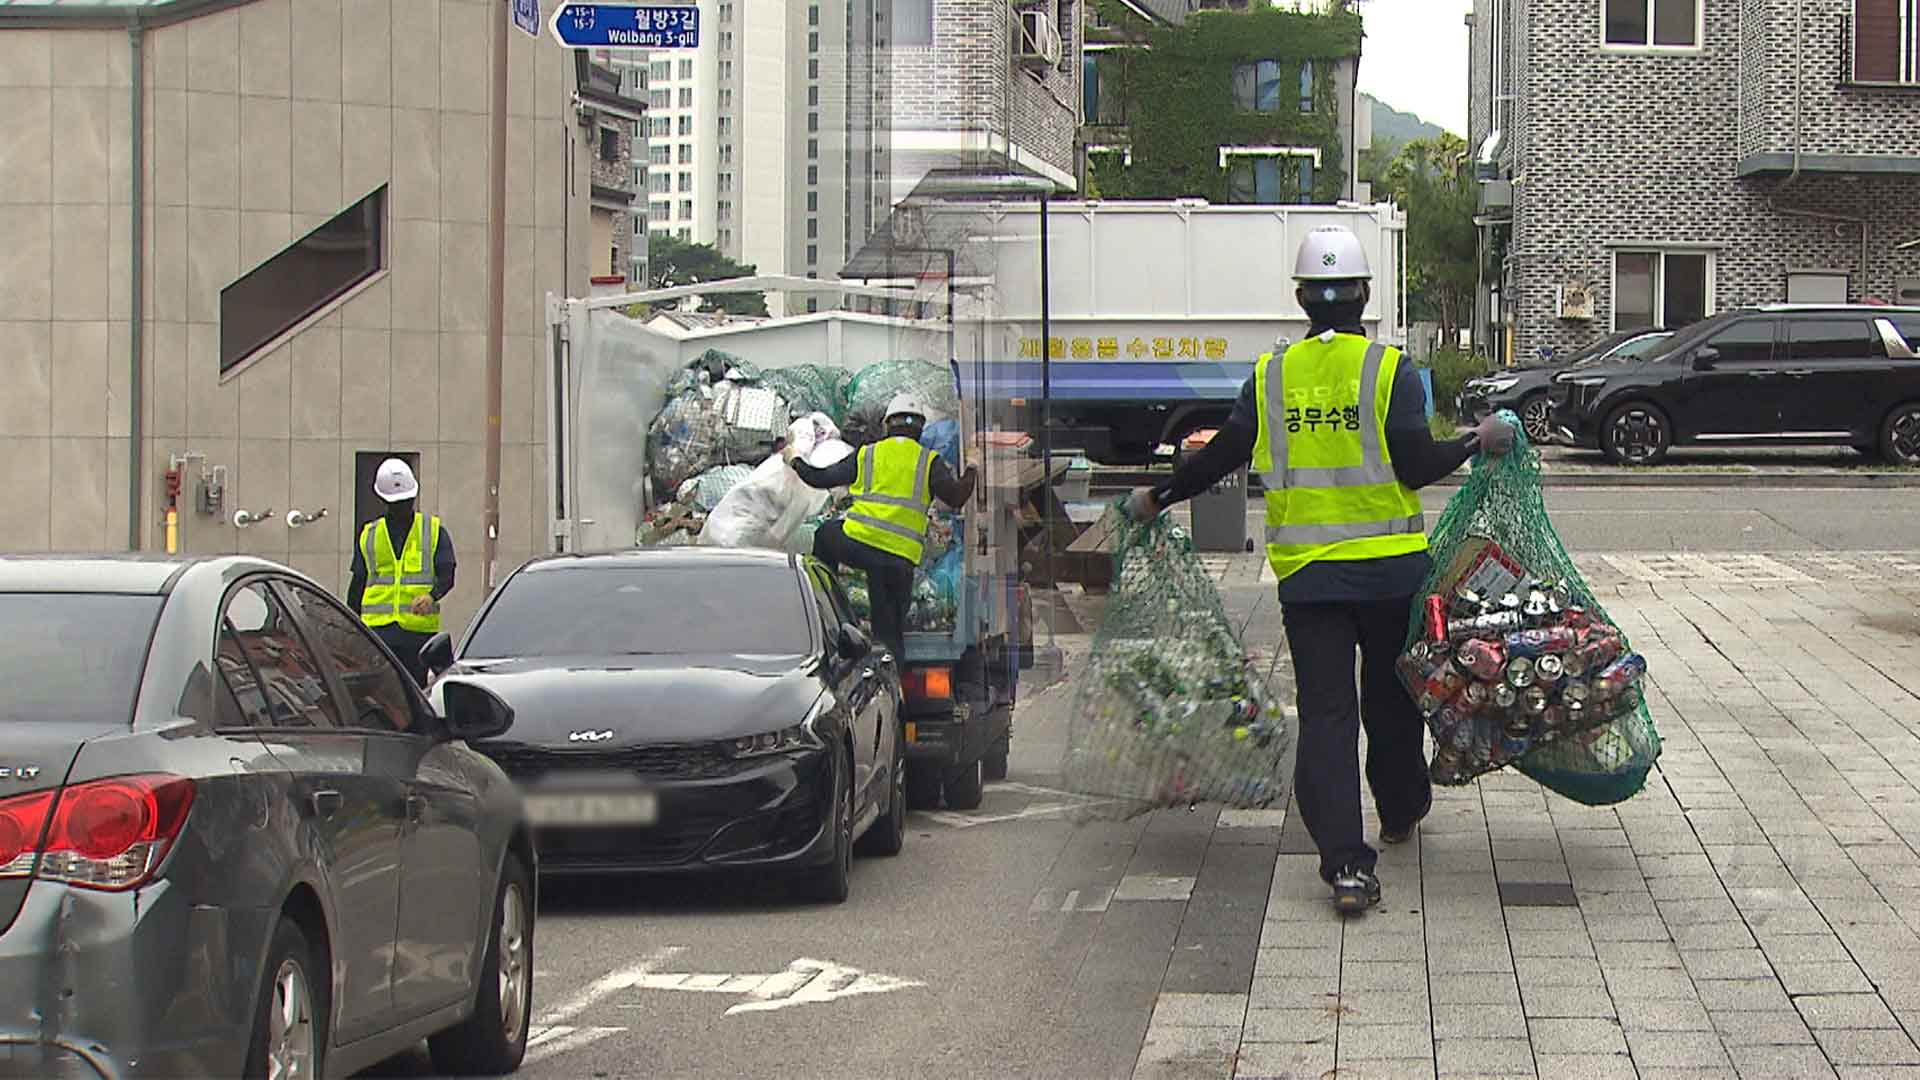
(767, 509)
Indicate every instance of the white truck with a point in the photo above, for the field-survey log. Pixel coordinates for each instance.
(1158, 310)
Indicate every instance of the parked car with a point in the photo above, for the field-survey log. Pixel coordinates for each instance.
(1528, 390)
(1778, 375)
(235, 839)
(687, 709)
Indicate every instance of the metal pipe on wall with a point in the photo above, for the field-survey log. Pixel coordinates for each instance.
(496, 285)
(136, 292)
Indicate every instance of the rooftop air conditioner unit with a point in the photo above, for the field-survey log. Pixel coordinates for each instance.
(1039, 44)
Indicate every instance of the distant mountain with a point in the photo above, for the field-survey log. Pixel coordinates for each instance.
(1395, 128)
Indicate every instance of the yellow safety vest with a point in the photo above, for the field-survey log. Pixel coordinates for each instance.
(890, 497)
(393, 583)
(1322, 454)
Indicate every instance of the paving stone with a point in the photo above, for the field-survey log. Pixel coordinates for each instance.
(1681, 1072)
(1870, 1046)
(1296, 963)
(1293, 992)
(1204, 1045)
(1879, 1072)
(1270, 1061)
(1478, 1057)
(1384, 1068)
(1841, 978)
(1804, 949)
(1845, 1011)
(1476, 989)
(1358, 1042)
(1320, 934)
(1733, 994)
(1200, 1010)
(1627, 928)
(1641, 983)
(1567, 1001)
(1547, 943)
(1479, 1022)
(1389, 947)
(1638, 954)
(1664, 1014)
(1780, 1063)
(1383, 1006)
(1566, 971)
(1727, 964)
(1587, 1066)
(1677, 1047)
(1762, 1027)
(1377, 975)
(1577, 1036)
(1290, 1025)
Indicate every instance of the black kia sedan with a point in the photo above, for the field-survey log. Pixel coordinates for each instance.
(684, 709)
(1777, 375)
(1529, 390)
(235, 838)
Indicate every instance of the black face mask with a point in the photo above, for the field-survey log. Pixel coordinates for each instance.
(1336, 315)
(399, 521)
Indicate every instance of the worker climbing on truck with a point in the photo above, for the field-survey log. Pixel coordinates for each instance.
(884, 533)
(1336, 428)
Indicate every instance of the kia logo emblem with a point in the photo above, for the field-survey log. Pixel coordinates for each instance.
(589, 736)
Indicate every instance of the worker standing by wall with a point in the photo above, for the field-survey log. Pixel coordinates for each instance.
(403, 566)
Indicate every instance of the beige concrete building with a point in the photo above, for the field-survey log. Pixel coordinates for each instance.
(249, 239)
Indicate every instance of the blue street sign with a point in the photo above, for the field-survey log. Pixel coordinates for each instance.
(627, 26)
(526, 16)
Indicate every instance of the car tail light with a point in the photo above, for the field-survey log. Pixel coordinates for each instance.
(928, 684)
(104, 834)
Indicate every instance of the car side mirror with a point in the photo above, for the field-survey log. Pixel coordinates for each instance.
(474, 712)
(437, 653)
(853, 644)
(1705, 357)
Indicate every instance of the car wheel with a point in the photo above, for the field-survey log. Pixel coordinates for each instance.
(1536, 417)
(833, 882)
(993, 767)
(493, 1040)
(1900, 436)
(290, 1018)
(889, 834)
(1636, 434)
(923, 786)
(965, 787)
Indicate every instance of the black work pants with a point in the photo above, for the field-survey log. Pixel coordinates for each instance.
(1326, 777)
(889, 581)
(406, 644)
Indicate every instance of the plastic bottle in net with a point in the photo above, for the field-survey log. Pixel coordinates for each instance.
(1169, 710)
(811, 388)
(1495, 530)
(876, 385)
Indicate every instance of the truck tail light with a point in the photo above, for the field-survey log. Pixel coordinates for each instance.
(107, 834)
(928, 684)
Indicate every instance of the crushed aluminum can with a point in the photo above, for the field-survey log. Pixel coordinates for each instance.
(1537, 608)
(1482, 659)
(1477, 696)
(1551, 669)
(1554, 719)
(1436, 612)
(1511, 602)
(1520, 673)
(1505, 697)
(1615, 679)
(1447, 767)
(1538, 642)
(1442, 684)
(1576, 695)
(1597, 652)
(1576, 618)
(1537, 698)
(1467, 603)
(1492, 624)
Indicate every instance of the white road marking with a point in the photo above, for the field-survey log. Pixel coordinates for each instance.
(1048, 901)
(805, 982)
(611, 983)
(543, 1043)
(1154, 887)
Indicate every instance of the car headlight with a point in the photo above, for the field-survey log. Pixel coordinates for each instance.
(1497, 385)
(800, 736)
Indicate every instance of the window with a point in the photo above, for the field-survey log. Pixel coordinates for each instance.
(726, 70)
(686, 69)
(813, 15)
(813, 97)
(302, 278)
(1306, 86)
(723, 210)
(686, 153)
(1747, 342)
(1304, 170)
(660, 71)
(726, 126)
(684, 234)
(686, 97)
(813, 149)
(726, 41)
(1656, 288)
(1659, 24)
(726, 98)
(1256, 86)
(748, 609)
(913, 22)
(1816, 287)
(660, 183)
(659, 154)
(1886, 41)
(659, 127)
(1101, 86)
(813, 254)
(609, 144)
(268, 676)
(813, 228)
(726, 13)
(1254, 180)
(813, 175)
(813, 202)
(659, 211)
(813, 41)
(375, 688)
(813, 69)
(726, 153)
(686, 209)
(686, 182)
(659, 99)
(686, 124)
(725, 181)
(72, 655)
(830, 621)
(1820, 340)
(813, 121)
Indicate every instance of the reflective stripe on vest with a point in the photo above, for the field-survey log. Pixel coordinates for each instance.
(395, 581)
(890, 497)
(1331, 495)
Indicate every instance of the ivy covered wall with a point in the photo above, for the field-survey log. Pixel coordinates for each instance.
(1178, 89)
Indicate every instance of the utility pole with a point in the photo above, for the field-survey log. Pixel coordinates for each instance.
(496, 281)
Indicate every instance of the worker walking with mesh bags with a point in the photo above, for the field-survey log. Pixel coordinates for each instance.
(1337, 430)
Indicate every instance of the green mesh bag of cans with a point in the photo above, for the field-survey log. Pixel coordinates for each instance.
(1169, 710)
(1512, 658)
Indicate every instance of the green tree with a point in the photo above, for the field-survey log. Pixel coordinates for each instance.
(672, 261)
(1432, 180)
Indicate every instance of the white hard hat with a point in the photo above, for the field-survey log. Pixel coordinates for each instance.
(1331, 253)
(905, 405)
(395, 481)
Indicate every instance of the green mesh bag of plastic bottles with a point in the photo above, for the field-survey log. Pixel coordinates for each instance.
(1512, 658)
(811, 388)
(876, 385)
(1168, 709)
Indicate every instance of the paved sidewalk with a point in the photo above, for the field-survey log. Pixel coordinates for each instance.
(1755, 912)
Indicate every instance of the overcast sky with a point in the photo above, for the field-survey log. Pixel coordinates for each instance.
(1415, 58)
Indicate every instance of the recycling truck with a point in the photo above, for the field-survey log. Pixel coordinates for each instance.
(607, 374)
(1157, 310)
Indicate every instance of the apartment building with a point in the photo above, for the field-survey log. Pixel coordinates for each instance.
(1652, 162)
(615, 116)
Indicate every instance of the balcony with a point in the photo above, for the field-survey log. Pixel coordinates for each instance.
(1872, 56)
(1859, 106)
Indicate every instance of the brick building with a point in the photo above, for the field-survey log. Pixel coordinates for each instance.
(1656, 161)
(614, 118)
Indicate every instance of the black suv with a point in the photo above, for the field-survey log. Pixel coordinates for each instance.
(1777, 375)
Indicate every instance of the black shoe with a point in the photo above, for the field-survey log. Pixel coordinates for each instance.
(1400, 834)
(1355, 890)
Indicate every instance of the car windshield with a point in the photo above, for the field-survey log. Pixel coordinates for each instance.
(73, 656)
(731, 609)
(1639, 348)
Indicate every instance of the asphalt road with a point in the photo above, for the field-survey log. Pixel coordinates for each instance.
(1015, 940)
